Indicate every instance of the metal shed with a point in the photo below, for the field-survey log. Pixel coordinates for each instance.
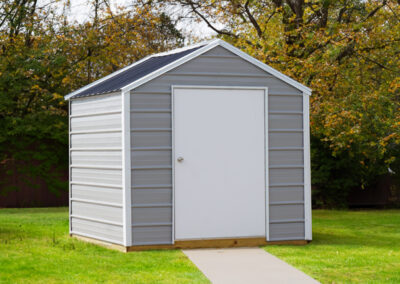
(202, 146)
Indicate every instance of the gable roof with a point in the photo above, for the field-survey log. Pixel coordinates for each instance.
(155, 65)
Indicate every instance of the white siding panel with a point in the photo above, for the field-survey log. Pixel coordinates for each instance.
(96, 229)
(96, 140)
(96, 104)
(97, 122)
(102, 176)
(96, 193)
(96, 158)
(94, 183)
(96, 211)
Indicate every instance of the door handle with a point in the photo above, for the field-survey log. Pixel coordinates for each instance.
(180, 159)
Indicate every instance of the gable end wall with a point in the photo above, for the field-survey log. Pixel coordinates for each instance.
(151, 144)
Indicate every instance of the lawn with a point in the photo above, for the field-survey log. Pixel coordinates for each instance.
(35, 247)
(349, 246)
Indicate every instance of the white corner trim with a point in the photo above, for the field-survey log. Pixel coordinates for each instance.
(126, 169)
(69, 169)
(307, 167)
(173, 160)
(266, 170)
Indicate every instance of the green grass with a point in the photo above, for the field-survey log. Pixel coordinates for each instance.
(35, 247)
(349, 247)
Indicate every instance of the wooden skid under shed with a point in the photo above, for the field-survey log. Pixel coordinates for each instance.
(194, 244)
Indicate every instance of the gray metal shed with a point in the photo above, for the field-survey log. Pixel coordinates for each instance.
(200, 146)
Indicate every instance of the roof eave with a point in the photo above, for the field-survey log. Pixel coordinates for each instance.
(208, 45)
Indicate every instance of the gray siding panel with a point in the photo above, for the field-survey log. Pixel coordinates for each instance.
(152, 235)
(281, 176)
(284, 212)
(286, 194)
(285, 121)
(287, 231)
(96, 162)
(151, 142)
(151, 177)
(286, 157)
(152, 215)
(151, 139)
(151, 101)
(285, 139)
(152, 196)
(150, 120)
(157, 157)
(285, 103)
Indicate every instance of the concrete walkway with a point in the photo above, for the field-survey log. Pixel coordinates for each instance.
(245, 265)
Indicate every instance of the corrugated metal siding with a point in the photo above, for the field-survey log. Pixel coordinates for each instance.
(151, 144)
(96, 167)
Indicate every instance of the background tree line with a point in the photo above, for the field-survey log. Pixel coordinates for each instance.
(347, 51)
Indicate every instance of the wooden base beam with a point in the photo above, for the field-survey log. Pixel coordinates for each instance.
(195, 244)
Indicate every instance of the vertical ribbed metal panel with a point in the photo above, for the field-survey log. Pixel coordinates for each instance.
(152, 146)
(96, 161)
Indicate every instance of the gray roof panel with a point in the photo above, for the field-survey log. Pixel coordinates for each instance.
(134, 73)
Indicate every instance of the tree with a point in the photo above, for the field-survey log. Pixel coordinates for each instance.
(43, 57)
(348, 52)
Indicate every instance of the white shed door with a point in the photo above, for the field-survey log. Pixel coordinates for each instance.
(219, 163)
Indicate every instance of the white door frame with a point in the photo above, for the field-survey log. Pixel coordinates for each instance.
(173, 87)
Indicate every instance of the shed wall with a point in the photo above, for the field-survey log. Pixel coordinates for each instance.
(96, 167)
(151, 143)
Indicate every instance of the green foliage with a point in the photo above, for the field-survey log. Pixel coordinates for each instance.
(44, 57)
(348, 52)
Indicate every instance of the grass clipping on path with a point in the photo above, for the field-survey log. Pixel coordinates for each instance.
(35, 247)
(349, 246)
